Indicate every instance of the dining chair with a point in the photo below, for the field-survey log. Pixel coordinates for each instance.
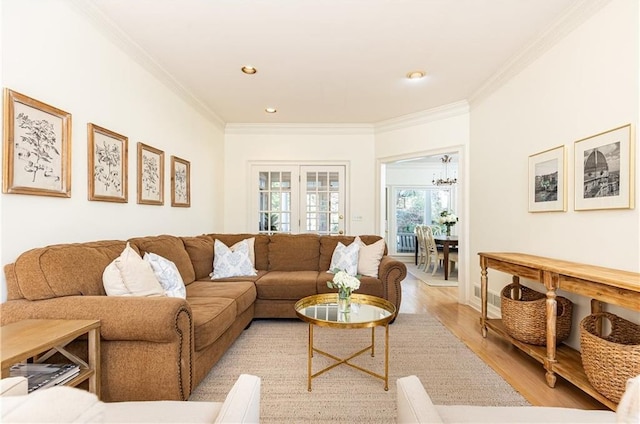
(431, 250)
(419, 232)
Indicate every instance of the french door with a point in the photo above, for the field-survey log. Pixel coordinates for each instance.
(300, 199)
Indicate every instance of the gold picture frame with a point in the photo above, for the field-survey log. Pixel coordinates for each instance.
(37, 147)
(107, 158)
(150, 175)
(547, 181)
(604, 170)
(180, 182)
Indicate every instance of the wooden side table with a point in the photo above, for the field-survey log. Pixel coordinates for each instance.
(41, 338)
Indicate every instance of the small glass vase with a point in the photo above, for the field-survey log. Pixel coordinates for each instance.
(448, 230)
(344, 302)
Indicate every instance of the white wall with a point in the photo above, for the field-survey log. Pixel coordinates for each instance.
(52, 53)
(300, 145)
(586, 84)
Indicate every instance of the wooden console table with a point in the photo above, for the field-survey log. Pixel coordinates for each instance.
(602, 285)
(41, 338)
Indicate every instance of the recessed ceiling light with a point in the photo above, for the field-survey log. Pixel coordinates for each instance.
(249, 70)
(271, 110)
(416, 74)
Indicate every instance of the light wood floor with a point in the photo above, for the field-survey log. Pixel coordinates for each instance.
(524, 373)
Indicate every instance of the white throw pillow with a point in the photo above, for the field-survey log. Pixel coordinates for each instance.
(167, 274)
(369, 257)
(629, 407)
(252, 254)
(345, 258)
(228, 263)
(130, 275)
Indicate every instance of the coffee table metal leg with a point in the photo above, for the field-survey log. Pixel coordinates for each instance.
(373, 341)
(386, 357)
(309, 357)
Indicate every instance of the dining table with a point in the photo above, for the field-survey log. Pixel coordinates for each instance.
(447, 242)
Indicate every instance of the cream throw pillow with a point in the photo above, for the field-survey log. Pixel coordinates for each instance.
(130, 275)
(345, 258)
(369, 257)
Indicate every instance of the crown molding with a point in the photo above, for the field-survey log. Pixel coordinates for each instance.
(333, 129)
(574, 16)
(423, 117)
(110, 30)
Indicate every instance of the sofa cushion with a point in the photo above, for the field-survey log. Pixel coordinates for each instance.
(260, 246)
(231, 262)
(65, 269)
(200, 251)
(294, 252)
(169, 247)
(345, 258)
(212, 316)
(167, 275)
(130, 275)
(242, 292)
(285, 285)
(368, 285)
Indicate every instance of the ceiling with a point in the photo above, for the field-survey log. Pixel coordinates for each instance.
(328, 61)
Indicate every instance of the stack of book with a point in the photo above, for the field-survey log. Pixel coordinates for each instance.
(41, 376)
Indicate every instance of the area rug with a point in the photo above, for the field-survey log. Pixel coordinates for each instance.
(276, 351)
(435, 280)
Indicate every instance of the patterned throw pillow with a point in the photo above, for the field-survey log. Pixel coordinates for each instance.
(345, 258)
(231, 263)
(167, 274)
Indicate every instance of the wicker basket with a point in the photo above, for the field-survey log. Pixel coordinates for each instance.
(609, 361)
(525, 318)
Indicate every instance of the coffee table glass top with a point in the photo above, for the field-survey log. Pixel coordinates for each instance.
(365, 311)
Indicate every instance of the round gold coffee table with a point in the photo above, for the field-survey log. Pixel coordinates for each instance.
(366, 312)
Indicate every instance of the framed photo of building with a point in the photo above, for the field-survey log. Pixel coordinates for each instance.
(37, 147)
(150, 175)
(107, 154)
(180, 182)
(604, 170)
(547, 181)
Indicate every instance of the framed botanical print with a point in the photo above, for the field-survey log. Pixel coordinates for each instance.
(180, 182)
(37, 147)
(547, 181)
(604, 170)
(107, 153)
(150, 175)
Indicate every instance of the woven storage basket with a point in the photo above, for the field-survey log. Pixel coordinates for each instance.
(525, 319)
(609, 361)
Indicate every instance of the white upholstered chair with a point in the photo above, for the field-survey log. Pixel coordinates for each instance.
(62, 404)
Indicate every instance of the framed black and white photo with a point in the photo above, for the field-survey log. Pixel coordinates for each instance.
(107, 161)
(604, 170)
(150, 175)
(37, 147)
(547, 181)
(180, 182)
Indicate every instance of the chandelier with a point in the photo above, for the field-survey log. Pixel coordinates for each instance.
(446, 180)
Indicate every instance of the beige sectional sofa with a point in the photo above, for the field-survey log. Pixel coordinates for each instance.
(157, 348)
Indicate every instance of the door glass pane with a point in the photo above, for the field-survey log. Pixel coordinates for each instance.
(274, 202)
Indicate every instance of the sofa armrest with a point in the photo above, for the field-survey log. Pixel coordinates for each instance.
(391, 272)
(242, 404)
(414, 404)
(152, 319)
(14, 386)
